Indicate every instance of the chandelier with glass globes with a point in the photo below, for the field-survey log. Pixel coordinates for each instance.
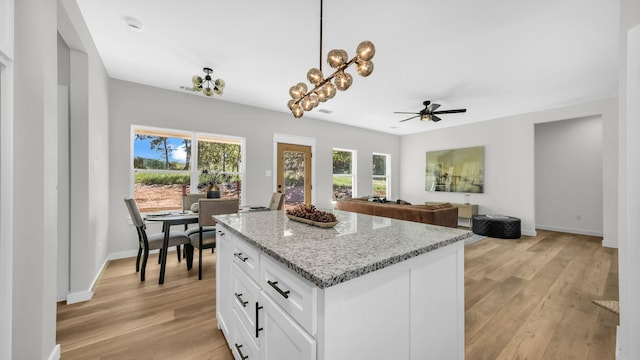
(324, 89)
(207, 85)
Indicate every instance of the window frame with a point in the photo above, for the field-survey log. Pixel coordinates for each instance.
(354, 171)
(387, 175)
(193, 172)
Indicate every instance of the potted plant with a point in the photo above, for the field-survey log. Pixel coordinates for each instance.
(212, 181)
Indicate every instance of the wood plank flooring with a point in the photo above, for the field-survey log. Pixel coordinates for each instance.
(524, 299)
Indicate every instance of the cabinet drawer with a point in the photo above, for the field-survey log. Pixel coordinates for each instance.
(247, 258)
(242, 347)
(296, 296)
(245, 293)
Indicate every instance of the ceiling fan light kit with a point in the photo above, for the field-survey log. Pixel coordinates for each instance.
(429, 112)
(324, 89)
(207, 85)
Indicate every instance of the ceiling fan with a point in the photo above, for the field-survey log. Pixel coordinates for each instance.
(429, 112)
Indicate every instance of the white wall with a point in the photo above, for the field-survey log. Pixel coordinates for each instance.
(509, 162)
(568, 176)
(6, 175)
(142, 105)
(35, 173)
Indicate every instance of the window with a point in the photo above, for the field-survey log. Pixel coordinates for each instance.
(166, 164)
(381, 175)
(344, 168)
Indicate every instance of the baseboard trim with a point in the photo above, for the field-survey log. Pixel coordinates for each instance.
(79, 296)
(55, 353)
(569, 230)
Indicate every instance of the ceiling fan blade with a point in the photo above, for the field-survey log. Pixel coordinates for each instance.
(435, 118)
(433, 107)
(404, 112)
(450, 111)
(413, 117)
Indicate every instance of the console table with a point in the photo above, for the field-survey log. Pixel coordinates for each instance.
(464, 210)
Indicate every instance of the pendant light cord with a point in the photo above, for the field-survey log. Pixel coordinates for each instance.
(321, 35)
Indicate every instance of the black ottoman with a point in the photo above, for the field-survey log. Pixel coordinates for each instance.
(506, 227)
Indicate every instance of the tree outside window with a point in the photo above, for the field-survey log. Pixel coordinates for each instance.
(380, 175)
(343, 170)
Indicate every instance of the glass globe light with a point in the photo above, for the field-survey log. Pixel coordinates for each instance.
(217, 90)
(197, 88)
(297, 111)
(366, 50)
(365, 68)
(208, 91)
(313, 98)
(337, 58)
(295, 92)
(321, 95)
(306, 103)
(197, 80)
(330, 90)
(302, 88)
(219, 83)
(343, 81)
(290, 104)
(314, 76)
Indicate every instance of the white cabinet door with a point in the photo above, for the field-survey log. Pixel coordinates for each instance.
(241, 343)
(224, 295)
(283, 338)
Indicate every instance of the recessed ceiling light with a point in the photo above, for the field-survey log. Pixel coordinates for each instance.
(326, 111)
(134, 24)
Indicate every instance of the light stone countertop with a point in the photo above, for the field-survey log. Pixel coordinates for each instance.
(357, 245)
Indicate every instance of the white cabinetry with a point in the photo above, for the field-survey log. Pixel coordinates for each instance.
(256, 325)
(284, 339)
(411, 310)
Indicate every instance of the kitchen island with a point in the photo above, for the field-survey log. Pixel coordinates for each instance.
(368, 288)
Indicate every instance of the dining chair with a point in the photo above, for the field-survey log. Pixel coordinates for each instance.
(277, 200)
(204, 236)
(191, 199)
(154, 241)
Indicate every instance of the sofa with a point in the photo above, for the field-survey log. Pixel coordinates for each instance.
(440, 214)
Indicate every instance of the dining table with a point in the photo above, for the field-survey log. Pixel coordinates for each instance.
(168, 220)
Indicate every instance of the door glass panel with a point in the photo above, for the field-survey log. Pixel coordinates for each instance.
(294, 178)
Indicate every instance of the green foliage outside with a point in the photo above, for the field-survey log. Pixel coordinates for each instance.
(145, 163)
(220, 157)
(342, 181)
(379, 165)
(379, 187)
(163, 179)
(342, 161)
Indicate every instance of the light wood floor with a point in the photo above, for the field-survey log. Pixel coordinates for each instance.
(524, 299)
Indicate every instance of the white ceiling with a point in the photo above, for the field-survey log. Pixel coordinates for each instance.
(495, 57)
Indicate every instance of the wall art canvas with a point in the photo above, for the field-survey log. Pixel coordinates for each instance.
(455, 170)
